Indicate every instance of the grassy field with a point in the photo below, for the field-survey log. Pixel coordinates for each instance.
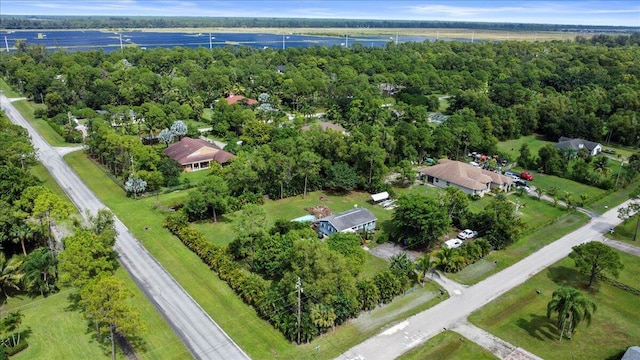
(512, 147)
(290, 208)
(497, 261)
(436, 33)
(546, 182)
(448, 345)
(626, 231)
(519, 316)
(144, 219)
(57, 332)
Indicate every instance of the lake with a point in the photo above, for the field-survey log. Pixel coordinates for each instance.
(80, 40)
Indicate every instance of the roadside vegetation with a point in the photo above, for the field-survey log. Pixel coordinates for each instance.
(520, 316)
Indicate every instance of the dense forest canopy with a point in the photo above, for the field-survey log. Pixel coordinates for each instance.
(99, 22)
(381, 96)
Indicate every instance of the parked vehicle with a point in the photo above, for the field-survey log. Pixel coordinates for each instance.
(609, 151)
(521, 183)
(526, 176)
(467, 234)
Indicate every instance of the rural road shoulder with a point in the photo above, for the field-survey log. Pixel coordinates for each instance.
(200, 334)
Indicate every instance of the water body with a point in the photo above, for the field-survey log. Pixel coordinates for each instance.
(80, 40)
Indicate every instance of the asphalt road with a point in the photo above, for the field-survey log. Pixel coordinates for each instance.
(414, 331)
(200, 334)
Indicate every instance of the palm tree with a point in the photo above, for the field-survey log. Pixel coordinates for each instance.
(449, 259)
(424, 265)
(40, 272)
(10, 274)
(572, 307)
(21, 233)
(601, 166)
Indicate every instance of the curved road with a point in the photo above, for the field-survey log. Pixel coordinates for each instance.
(413, 331)
(201, 335)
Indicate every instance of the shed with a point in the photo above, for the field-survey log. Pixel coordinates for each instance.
(380, 196)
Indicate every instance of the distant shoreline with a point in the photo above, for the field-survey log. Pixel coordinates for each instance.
(444, 33)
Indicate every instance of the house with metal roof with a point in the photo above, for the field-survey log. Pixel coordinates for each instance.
(471, 180)
(354, 220)
(578, 144)
(196, 154)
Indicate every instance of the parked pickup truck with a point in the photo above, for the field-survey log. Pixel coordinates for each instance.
(526, 176)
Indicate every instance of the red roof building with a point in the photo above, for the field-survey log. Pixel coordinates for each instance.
(233, 99)
(196, 154)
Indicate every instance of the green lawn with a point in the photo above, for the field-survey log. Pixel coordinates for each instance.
(546, 182)
(626, 231)
(144, 219)
(512, 147)
(519, 316)
(57, 332)
(448, 345)
(499, 260)
(290, 208)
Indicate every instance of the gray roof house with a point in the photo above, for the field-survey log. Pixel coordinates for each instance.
(577, 144)
(354, 220)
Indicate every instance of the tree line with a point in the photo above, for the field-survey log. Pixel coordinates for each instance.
(103, 22)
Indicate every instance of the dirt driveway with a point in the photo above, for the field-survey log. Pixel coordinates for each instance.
(386, 251)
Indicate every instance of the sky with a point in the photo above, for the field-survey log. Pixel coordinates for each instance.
(571, 12)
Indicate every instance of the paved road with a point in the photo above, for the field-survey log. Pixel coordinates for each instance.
(417, 329)
(201, 335)
(624, 247)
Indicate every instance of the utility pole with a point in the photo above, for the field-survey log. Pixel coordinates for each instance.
(121, 48)
(6, 44)
(299, 287)
(210, 44)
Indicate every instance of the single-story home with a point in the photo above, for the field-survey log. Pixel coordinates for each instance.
(350, 221)
(471, 180)
(234, 99)
(577, 144)
(196, 154)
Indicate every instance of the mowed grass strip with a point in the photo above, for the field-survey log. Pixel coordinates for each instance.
(448, 345)
(27, 108)
(519, 316)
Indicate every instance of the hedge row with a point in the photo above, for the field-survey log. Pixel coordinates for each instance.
(250, 287)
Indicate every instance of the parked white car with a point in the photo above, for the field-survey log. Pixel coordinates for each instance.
(467, 234)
